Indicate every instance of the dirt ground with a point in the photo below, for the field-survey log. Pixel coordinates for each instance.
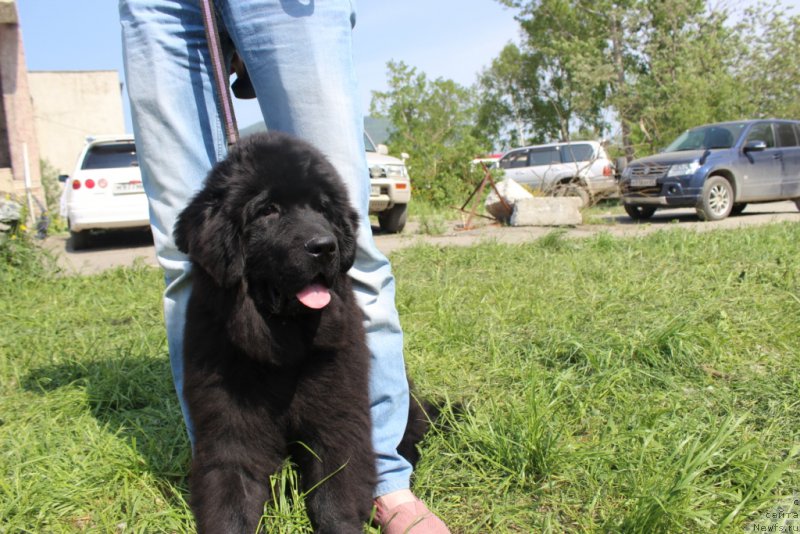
(126, 248)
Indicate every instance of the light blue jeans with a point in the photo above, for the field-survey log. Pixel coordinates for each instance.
(298, 54)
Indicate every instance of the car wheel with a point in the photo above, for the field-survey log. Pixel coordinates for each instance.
(393, 220)
(738, 208)
(580, 192)
(639, 213)
(573, 190)
(716, 202)
(79, 240)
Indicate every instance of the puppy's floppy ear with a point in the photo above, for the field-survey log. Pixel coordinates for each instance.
(209, 236)
(347, 232)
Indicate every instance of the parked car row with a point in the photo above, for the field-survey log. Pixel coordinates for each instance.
(105, 191)
(717, 169)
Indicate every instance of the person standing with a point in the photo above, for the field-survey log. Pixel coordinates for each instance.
(298, 56)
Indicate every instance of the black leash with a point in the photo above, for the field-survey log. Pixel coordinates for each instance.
(224, 102)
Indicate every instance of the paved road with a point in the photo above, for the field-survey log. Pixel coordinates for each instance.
(127, 248)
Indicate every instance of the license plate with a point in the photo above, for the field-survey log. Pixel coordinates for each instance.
(127, 189)
(643, 182)
(375, 190)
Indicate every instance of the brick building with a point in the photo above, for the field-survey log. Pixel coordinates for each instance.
(19, 147)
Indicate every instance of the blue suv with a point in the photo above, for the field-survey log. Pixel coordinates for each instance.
(717, 169)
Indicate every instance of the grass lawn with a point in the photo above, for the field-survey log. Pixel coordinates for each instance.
(602, 385)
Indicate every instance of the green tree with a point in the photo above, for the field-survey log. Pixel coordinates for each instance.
(768, 69)
(511, 110)
(683, 78)
(434, 122)
(656, 66)
(566, 46)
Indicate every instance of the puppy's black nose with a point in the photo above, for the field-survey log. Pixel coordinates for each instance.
(320, 246)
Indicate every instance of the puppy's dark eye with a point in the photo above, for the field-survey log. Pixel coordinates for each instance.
(270, 211)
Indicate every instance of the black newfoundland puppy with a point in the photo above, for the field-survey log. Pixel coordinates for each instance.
(276, 363)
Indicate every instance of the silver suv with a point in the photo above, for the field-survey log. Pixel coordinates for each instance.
(579, 168)
(390, 187)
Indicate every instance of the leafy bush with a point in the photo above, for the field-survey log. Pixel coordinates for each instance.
(52, 193)
(20, 256)
(433, 122)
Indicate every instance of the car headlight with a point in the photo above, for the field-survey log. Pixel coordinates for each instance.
(395, 170)
(388, 171)
(683, 169)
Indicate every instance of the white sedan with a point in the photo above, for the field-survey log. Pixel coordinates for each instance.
(105, 191)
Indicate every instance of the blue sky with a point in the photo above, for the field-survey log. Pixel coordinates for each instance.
(452, 39)
(440, 37)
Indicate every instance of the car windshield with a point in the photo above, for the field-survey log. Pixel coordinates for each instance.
(368, 144)
(707, 137)
(110, 156)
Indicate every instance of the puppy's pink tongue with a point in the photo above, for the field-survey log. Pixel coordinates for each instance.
(315, 296)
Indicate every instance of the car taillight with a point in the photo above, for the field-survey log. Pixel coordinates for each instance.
(76, 184)
(400, 186)
(89, 183)
(102, 183)
(607, 171)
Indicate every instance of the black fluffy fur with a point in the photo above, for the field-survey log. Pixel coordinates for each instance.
(266, 377)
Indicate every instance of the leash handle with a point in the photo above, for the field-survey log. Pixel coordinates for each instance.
(224, 102)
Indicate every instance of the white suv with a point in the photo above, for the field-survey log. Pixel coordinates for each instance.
(579, 168)
(105, 190)
(390, 187)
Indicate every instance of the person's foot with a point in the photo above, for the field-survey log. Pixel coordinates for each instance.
(401, 512)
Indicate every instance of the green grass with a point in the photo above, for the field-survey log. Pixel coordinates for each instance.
(598, 385)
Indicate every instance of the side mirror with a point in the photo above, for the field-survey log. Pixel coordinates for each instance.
(755, 145)
(382, 149)
(63, 178)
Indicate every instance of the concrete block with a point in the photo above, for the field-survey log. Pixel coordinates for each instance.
(511, 192)
(547, 211)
